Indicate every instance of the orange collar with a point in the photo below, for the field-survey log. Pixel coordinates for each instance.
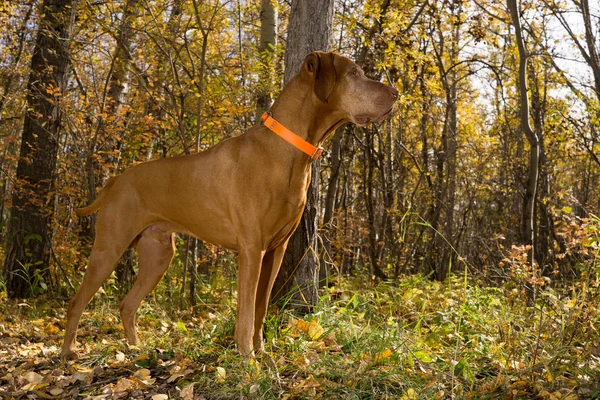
(289, 136)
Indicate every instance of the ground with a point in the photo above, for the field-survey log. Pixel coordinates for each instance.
(415, 339)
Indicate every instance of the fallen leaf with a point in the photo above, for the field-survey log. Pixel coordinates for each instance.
(142, 374)
(221, 374)
(312, 328)
(124, 384)
(187, 393)
(33, 377)
(410, 394)
(308, 383)
(379, 357)
(178, 375)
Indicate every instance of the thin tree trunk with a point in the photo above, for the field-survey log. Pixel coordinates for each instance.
(528, 220)
(117, 91)
(369, 166)
(332, 188)
(443, 256)
(193, 270)
(30, 231)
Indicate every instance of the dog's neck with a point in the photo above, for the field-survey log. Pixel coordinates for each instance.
(298, 109)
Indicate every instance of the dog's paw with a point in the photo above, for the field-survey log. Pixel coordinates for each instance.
(259, 346)
(69, 355)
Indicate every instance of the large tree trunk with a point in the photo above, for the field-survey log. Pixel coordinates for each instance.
(309, 29)
(30, 230)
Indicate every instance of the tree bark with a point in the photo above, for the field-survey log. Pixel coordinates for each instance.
(267, 52)
(26, 265)
(309, 29)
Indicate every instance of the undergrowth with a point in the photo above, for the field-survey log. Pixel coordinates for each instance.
(416, 339)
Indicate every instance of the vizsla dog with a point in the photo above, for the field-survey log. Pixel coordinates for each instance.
(246, 194)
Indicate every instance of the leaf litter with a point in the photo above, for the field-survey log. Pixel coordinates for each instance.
(416, 340)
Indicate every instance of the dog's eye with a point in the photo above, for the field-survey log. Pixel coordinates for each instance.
(354, 73)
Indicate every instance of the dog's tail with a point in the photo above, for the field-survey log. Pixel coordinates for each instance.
(92, 208)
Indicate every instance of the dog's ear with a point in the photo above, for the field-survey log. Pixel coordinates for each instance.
(320, 67)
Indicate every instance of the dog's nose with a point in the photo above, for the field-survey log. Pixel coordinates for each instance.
(394, 92)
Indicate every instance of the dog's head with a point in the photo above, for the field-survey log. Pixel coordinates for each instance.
(341, 85)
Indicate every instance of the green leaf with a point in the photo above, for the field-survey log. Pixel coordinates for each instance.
(423, 355)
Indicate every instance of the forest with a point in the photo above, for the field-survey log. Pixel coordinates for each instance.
(447, 252)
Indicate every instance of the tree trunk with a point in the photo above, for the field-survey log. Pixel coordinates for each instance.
(544, 236)
(117, 90)
(309, 29)
(375, 234)
(267, 51)
(30, 231)
(443, 255)
(332, 188)
(528, 221)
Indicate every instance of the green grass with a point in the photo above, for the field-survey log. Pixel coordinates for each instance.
(418, 339)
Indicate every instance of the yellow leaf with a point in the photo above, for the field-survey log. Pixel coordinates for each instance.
(160, 397)
(379, 357)
(312, 328)
(142, 357)
(519, 385)
(299, 326)
(81, 368)
(315, 330)
(409, 395)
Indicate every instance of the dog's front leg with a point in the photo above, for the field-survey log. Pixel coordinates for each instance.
(271, 263)
(250, 260)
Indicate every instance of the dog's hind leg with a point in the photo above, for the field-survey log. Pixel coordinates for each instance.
(108, 248)
(156, 248)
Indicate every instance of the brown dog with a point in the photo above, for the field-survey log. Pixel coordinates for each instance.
(246, 193)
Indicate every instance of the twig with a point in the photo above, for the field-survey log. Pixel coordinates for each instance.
(61, 267)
